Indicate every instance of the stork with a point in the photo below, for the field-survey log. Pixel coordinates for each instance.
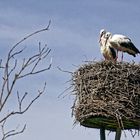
(108, 52)
(121, 43)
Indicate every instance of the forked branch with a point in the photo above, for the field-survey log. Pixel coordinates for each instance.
(12, 70)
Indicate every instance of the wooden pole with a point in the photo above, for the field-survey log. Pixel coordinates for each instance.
(102, 133)
(118, 134)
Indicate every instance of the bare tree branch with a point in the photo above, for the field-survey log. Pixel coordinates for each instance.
(12, 72)
(20, 111)
(10, 133)
(28, 36)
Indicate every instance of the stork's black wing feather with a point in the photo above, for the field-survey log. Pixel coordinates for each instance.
(113, 52)
(130, 46)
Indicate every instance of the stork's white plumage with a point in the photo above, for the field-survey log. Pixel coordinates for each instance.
(122, 43)
(108, 52)
(102, 37)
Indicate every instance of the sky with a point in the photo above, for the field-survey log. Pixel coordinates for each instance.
(73, 38)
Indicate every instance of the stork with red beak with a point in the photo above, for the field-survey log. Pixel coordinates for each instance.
(121, 43)
(108, 52)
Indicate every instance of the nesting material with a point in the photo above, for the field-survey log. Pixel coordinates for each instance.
(107, 95)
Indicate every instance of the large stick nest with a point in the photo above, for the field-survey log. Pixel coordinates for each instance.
(107, 95)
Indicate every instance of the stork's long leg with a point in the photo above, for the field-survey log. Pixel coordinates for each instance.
(117, 55)
(122, 57)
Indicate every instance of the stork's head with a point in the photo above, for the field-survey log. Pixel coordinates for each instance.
(102, 32)
(107, 36)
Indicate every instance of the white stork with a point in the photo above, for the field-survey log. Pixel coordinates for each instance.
(108, 52)
(121, 43)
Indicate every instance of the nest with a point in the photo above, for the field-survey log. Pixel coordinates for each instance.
(107, 95)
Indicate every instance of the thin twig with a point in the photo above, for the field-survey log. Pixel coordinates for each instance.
(28, 36)
(11, 75)
(64, 70)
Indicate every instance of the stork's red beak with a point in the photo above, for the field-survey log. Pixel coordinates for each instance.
(106, 41)
(100, 38)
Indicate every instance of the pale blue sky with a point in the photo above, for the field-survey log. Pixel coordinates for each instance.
(73, 38)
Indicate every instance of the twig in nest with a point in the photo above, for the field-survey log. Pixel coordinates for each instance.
(101, 88)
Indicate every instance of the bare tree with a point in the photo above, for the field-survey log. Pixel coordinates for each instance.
(11, 72)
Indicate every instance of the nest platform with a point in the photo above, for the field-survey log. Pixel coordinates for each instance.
(107, 95)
